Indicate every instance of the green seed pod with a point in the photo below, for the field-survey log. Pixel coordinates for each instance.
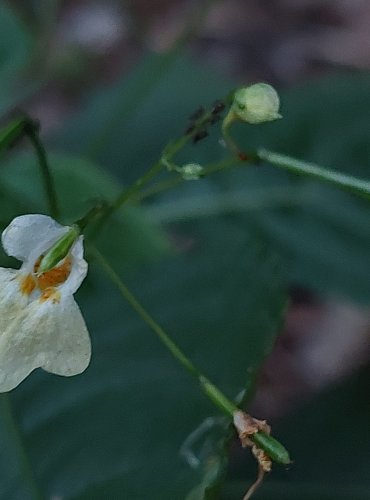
(257, 103)
(271, 447)
(59, 250)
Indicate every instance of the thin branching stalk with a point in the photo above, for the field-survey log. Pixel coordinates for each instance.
(171, 149)
(47, 177)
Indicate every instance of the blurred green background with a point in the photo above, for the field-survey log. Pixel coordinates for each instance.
(214, 261)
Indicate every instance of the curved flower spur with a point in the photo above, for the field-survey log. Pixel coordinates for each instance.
(41, 325)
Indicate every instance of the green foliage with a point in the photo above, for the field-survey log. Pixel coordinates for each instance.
(321, 232)
(15, 51)
(292, 213)
(129, 238)
(329, 440)
(138, 135)
(324, 236)
(116, 430)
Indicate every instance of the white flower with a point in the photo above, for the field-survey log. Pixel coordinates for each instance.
(40, 322)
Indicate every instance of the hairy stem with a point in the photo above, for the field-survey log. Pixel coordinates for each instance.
(348, 182)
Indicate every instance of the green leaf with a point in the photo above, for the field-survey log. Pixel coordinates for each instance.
(15, 50)
(144, 127)
(116, 430)
(324, 238)
(293, 214)
(321, 232)
(130, 237)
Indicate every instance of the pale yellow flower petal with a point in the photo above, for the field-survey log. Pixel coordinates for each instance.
(41, 325)
(12, 302)
(69, 341)
(28, 236)
(50, 334)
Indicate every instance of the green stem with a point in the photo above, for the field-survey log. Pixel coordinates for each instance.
(266, 442)
(16, 130)
(124, 197)
(94, 212)
(348, 182)
(229, 119)
(11, 133)
(209, 389)
(172, 182)
(222, 165)
(49, 186)
(159, 187)
(132, 190)
(26, 463)
(169, 152)
(174, 147)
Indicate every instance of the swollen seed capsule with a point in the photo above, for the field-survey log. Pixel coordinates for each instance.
(257, 103)
(271, 447)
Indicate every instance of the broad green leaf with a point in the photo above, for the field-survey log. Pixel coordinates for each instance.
(325, 238)
(129, 238)
(116, 430)
(138, 137)
(321, 232)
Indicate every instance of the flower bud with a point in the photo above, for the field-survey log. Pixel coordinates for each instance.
(191, 171)
(257, 103)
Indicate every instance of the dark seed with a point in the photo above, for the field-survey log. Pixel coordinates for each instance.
(214, 119)
(198, 113)
(199, 136)
(218, 106)
(189, 130)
